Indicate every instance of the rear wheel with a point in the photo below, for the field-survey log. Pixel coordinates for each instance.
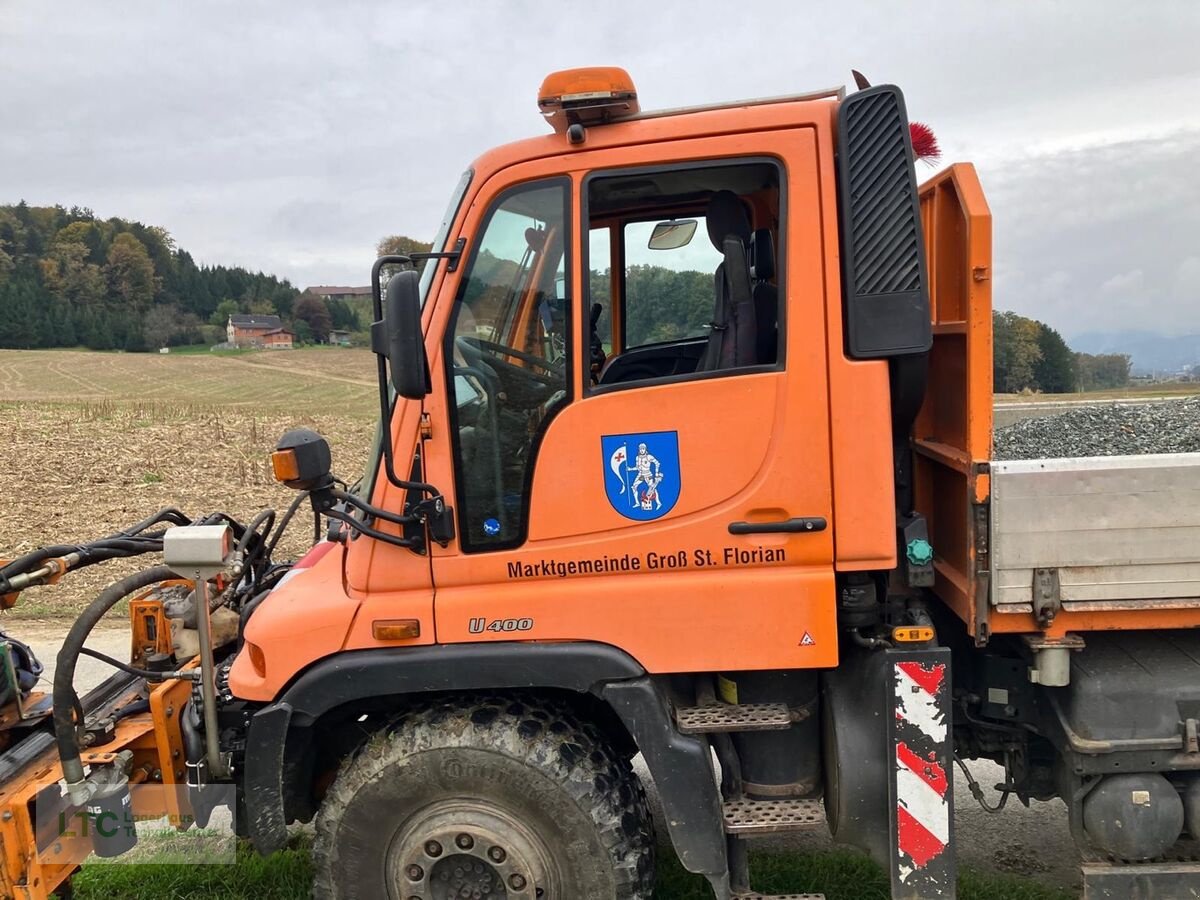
(500, 797)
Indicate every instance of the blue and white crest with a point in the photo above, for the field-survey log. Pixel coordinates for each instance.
(641, 473)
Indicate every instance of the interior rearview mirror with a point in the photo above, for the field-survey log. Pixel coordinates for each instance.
(405, 342)
(672, 235)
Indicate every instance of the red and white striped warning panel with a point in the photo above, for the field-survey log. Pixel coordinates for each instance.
(921, 787)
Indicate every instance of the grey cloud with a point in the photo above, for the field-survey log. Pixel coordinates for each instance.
(1100, 239)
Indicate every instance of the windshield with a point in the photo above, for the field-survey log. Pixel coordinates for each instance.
(367, 482)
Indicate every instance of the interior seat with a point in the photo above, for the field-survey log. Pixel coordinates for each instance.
(766, 296)
(733, 341)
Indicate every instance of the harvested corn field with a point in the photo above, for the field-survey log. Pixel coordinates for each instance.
(94, 442)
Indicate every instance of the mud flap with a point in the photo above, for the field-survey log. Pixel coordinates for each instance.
(263, 778)
(920, 784)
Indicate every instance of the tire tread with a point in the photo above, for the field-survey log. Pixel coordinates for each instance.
(543, 733)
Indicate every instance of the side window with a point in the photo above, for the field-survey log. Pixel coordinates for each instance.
(695, 291)
(506, 359)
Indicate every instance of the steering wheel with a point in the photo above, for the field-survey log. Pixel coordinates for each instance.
(472, 349)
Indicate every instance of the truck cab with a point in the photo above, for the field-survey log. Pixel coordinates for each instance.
(640, 406)
(657, 375)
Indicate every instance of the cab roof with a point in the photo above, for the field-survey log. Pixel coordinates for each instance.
(654, 126)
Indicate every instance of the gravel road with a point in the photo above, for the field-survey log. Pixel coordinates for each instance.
(1033, 842)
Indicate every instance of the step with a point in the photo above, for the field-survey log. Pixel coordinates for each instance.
(750, 817)
(733, 717)
(778, 897)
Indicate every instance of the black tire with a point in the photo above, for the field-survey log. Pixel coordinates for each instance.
(511, 797)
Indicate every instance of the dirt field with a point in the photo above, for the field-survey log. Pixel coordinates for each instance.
(93, 442)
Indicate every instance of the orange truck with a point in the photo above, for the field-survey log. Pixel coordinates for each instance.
(685, 451)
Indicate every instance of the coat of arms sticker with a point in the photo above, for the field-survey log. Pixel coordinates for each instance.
(641, 473)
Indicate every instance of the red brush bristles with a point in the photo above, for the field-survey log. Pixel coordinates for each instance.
(925, 145)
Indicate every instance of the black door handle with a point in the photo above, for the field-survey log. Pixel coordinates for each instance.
(787, 526)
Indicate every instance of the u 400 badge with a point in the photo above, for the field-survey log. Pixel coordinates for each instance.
(480, 625)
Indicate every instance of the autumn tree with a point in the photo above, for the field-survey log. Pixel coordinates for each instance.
(312, 310)
(130, 272)
(67, 273)
(401, 245)
(1015, 352)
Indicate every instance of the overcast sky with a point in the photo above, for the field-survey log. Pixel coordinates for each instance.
(290, 136)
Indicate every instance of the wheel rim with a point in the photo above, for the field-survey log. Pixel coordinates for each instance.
(469, 849)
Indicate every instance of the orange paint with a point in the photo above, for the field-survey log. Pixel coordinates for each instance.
(953, 432)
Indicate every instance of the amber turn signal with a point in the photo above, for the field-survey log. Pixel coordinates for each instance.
(257, 659)
(396, 629)
(912, 634)
(285, 465)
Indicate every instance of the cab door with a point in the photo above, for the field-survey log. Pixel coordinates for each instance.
(682, 519)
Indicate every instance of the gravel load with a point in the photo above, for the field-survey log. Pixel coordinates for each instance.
(1109, 429)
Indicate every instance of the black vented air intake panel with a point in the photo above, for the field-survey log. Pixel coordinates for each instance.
(884, 277)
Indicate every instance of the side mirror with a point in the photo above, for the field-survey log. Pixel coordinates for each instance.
(405, 342)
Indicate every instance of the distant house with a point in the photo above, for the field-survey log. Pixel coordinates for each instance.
(339, 338)
(279, 339)
(336, 292)
(265, 332)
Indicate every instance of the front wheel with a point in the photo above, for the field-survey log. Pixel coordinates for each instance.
(492, 798)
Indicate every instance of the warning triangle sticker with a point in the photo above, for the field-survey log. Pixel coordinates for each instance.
(807, 640)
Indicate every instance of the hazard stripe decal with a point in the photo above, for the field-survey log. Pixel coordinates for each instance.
(927, 769)
(928, 679)
(921, 844)
(920, 786)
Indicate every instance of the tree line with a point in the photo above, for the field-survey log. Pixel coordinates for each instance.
(1028, 355)
(69, 279)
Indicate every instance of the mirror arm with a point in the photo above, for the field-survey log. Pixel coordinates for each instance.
(374, 511)
(363, 528)
(453, 255)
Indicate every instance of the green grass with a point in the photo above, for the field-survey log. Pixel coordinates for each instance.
(842, 875)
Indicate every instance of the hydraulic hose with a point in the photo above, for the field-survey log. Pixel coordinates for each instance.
(65, 699)
(148, 674)
(36, 557)
(283, 524)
